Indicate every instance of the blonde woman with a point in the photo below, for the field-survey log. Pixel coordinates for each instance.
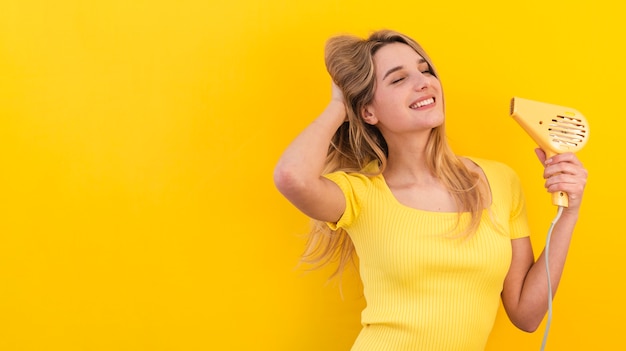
(440, 238)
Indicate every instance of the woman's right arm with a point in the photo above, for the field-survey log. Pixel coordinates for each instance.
(298, 174)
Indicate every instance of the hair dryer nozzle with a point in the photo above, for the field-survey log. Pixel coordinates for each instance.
(556, 129)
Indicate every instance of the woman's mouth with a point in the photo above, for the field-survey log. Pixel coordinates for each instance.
(422, 103)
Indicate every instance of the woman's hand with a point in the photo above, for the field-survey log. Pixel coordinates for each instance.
(564, 172)
(336, 93)
(337, 99)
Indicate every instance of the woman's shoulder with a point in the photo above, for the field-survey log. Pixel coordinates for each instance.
(503, 181)
(357, 180)
(369, 171)
(501, 177)
(486, 165)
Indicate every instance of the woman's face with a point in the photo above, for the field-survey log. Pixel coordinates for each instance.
(408, 97)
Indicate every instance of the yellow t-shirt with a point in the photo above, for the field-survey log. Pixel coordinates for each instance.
(425, 290)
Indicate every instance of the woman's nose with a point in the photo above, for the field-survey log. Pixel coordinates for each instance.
(421, 81)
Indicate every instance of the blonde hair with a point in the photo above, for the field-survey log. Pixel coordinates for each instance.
(349, 61)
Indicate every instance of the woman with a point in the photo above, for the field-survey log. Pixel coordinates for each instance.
(440, 238)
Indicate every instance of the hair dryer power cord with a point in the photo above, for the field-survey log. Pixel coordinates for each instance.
(546, 254)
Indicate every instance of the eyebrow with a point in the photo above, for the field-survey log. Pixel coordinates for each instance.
(397, 68)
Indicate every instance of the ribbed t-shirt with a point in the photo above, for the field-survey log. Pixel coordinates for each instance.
(424, 288)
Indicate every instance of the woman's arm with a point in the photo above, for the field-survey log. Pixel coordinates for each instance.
(298, 174)
(525, 292)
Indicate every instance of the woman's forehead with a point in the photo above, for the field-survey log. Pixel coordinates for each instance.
(396, 55)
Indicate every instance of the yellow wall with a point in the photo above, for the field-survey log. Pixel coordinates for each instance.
(138, 138)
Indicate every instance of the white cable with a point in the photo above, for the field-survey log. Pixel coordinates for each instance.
(546, 254)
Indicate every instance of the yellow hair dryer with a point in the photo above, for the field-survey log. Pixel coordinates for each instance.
(556, 129)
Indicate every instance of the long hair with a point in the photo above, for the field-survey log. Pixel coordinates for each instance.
(349, 61)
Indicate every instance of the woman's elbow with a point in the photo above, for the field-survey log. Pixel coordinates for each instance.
(528, 325)
(287, 181)
(523, 318)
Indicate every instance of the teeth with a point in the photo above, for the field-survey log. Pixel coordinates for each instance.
(423, 103)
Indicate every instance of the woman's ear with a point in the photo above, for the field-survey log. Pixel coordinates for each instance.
(368, 116)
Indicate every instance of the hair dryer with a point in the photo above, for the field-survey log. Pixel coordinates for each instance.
(556, 129)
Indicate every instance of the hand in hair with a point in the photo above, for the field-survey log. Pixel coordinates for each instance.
(337, 96)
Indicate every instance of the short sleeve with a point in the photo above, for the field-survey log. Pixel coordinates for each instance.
(508, 197)
(354, 187)
(518, 220)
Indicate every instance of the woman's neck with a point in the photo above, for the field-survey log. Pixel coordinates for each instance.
(407, 163)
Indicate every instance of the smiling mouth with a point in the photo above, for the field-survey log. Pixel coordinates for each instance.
(423, 103)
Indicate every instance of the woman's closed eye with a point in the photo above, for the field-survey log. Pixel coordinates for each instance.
(399, 79)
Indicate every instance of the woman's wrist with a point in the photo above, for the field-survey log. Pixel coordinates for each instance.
(336, 110)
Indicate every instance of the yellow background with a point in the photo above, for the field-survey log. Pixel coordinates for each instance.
(138, 139)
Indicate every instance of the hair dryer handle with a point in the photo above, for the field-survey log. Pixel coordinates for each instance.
(560, 198)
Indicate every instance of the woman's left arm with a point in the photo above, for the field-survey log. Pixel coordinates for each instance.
(525, 291)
